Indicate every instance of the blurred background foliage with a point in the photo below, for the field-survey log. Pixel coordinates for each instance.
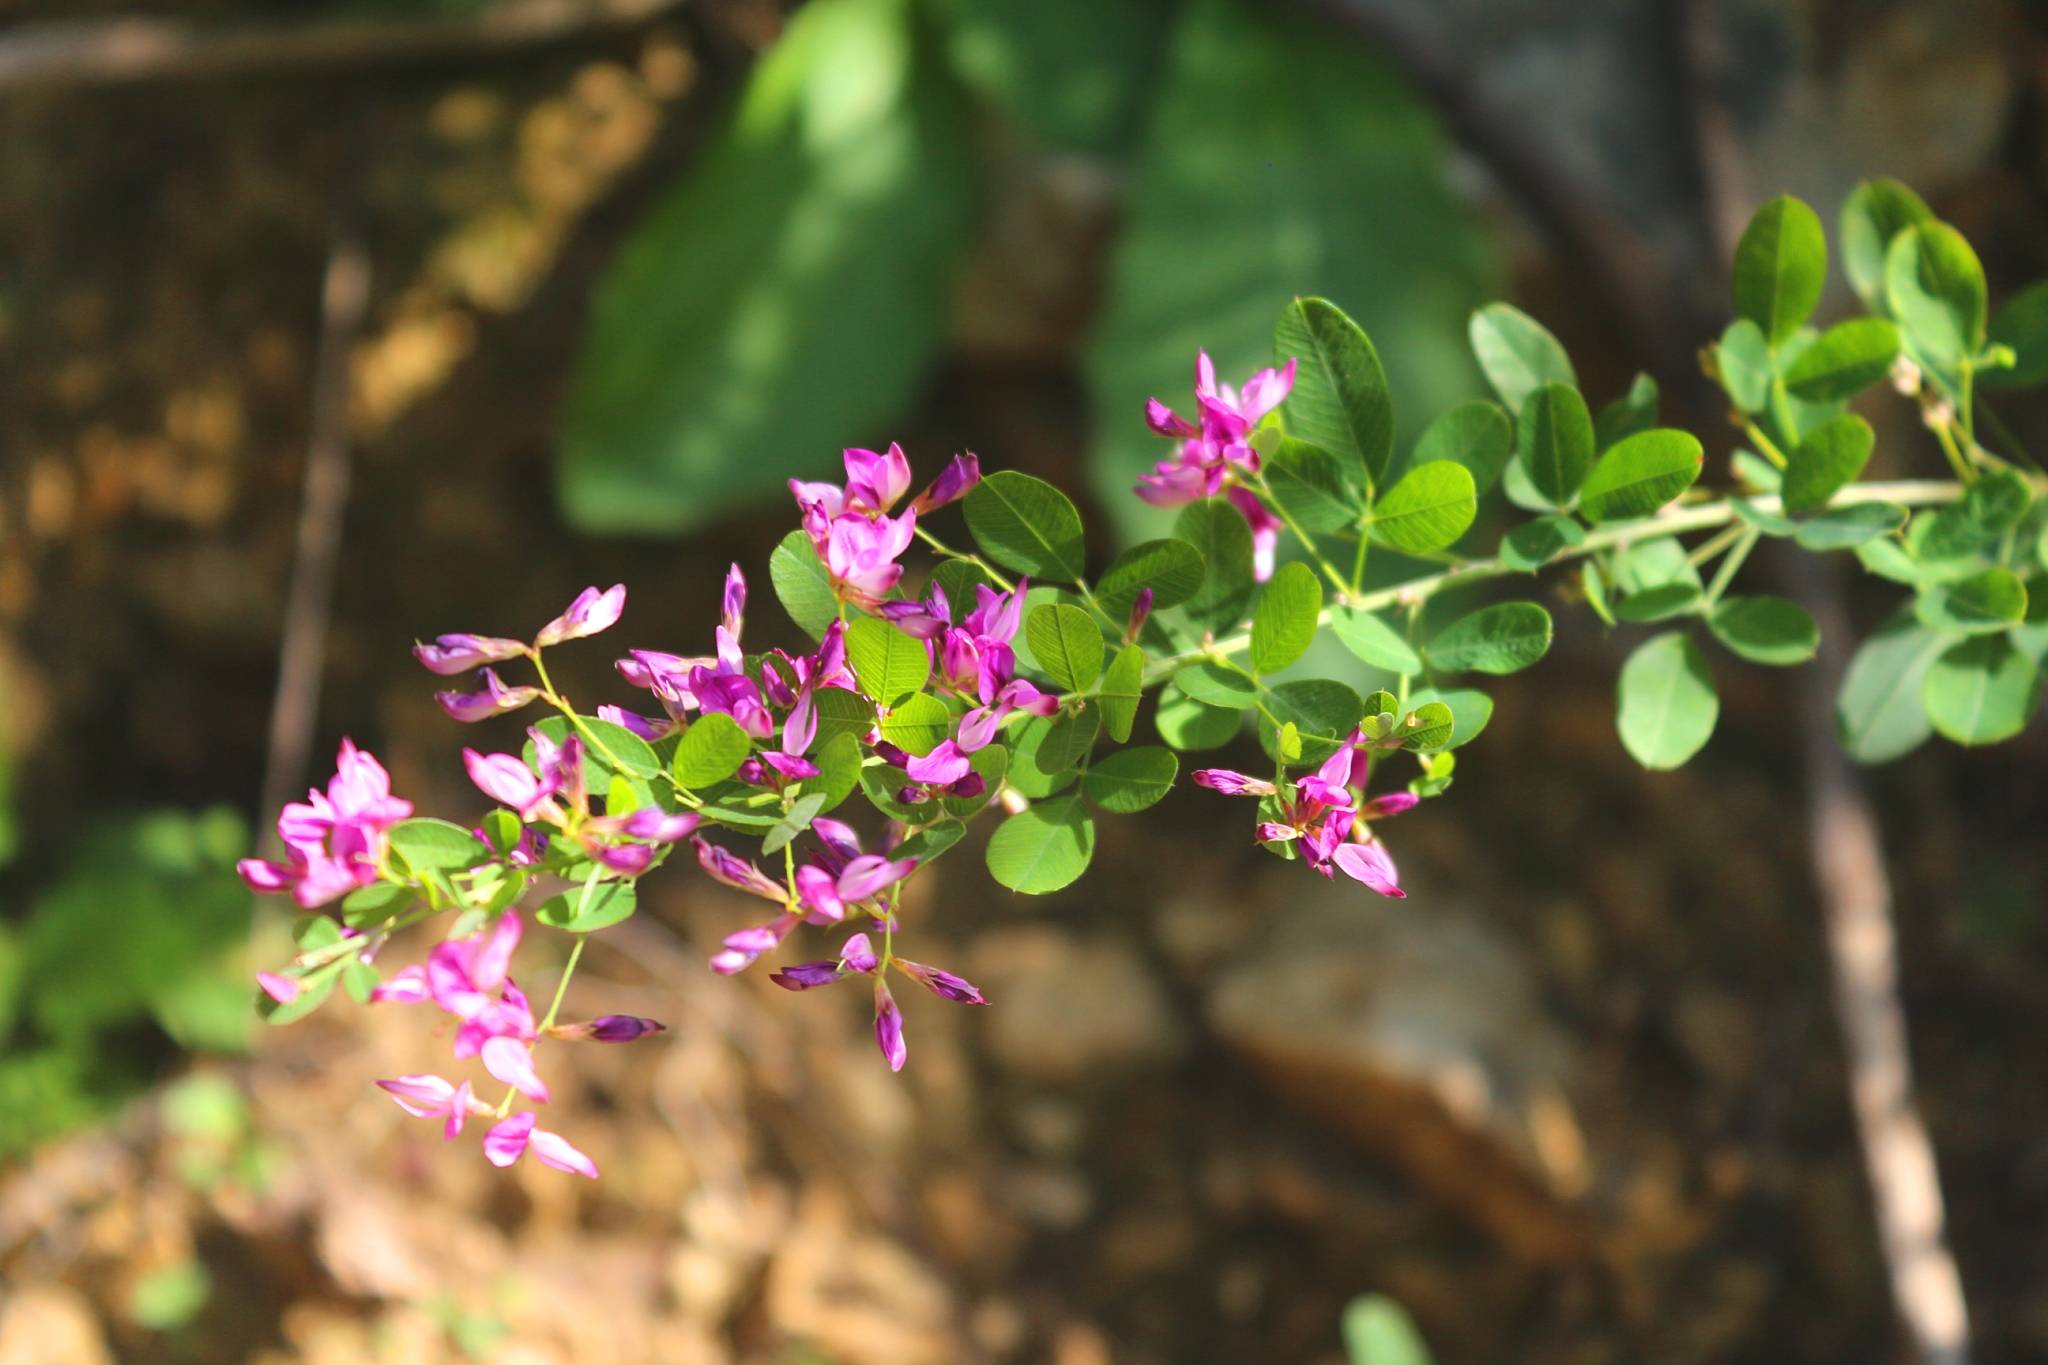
(636, 262)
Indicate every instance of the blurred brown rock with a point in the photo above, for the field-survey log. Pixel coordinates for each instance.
(1419, 1035)
(1072, 1007)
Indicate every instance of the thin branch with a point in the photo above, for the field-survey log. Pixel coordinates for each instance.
(54, 56)
(309, 599)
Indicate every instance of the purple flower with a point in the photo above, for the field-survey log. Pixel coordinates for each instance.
(960, 475)
(889, 1027)
(1141, 607)
(511, 1138)
(649, 728)
(860, 555)
(737, 872)
(979, 726)
(658, 826)
(451, 654)
(946, 764)
(733, 607)
(610, 1028)
(1265, 529)
(1370, 863)
(282, 989)
(591, 612)
(855, 955)
(430, 1097)
(1389, 803)
(466, 978)
(943, 983)
(336, 839)
(507, 780)
(1231, 784)
(742, 949)
(494, 700)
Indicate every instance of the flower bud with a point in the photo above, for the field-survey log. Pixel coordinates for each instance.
(1141, 607)
(610, 1028)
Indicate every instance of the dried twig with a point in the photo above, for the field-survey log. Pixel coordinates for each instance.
(117, 51)
(309, 599)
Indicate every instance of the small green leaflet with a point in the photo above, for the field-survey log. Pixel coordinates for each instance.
(1428, 509)
(1517, 353)
(888, 664)
(1503, 638)
(1044, 848)
(1667, 701)
(1780, 266)
(1026, 524)
(1130, 780)
(1067, 644)
(1340, 399)
(1641, 474)
(710, 750)
(1284, 623)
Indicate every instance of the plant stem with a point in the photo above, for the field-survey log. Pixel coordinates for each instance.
(562, 986)
(1330, 572)
(976, 560)
(1678, 521)
(1725, 575)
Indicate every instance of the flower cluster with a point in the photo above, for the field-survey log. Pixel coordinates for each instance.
(934, 701)
(1214, 454)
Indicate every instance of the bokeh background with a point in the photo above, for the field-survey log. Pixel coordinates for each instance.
(592, 278)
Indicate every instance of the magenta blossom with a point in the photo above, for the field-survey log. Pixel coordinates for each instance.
(467, 978)
(511, 1138)
(857, 957)
(737, 872)
(494, 700)
(430, 1097)
(955, 481)
(609, 1028)
(1210, 455)
(334, 840)
(1264, 525)
(591, 612)
(452, 654)
(1323, 818)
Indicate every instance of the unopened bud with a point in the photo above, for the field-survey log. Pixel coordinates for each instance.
(1141, 607)
(1905, 376)
(610, 1028)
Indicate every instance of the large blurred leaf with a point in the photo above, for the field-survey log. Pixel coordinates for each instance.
(1278, 163)
(1073, 72)
(784, 300)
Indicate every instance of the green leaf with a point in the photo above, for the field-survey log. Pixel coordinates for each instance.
(1660, 603)
(958, 578)
(1427, 726)
(1743, 360)
(1028, 774)
(1122, 688)
(1374, 641)
(1641, 474)
(1830, 457)
(838, 761)
(1172, 569)
(714, 746)
(880, 784)
(1554, 442)
(1981, 691)
(1876, 211)
(794, 821)
(1129, 780)
(917, 725)
(1428, 509)
(1038, 596)
(840, 712)
(1845, 528)
(1594, 585)
(1518, 354)
(1043, 848)
(1935, 286)
(1628, 415)
(1654, 564)
(793, 287)
(1996, 502)
(606, 904)
(1189, 726)
(1993, 600)
(1067, 644)
(2021, 324)
(502, 831)
(1475, 434)
(1878, 711)
(929, 842)
(1470, 710)
(1765, 630)
(1753, 471)
(1378, 1331)
(802, 585)
(1506, 637)
(888, 664)
(1067, 741)
(1324, 712)
(1026, 524)
(1340, 399)
(1770, 523)
(1535, 543)
(1848, 358)
(1308, 483)
(1322, 127)
(1068, 76)
(1284, 625)
(1219, 534)
(1667, 701)
(1781, 263)
(428, 845)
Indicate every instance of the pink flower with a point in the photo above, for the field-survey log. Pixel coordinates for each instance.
(511, 1138)
(506, 779)
(336, 839)
(591, 612)
(942, 983)
(1208, 456)
(282, 989)
(430, 1097)
(1370, 863)
(955, 481)
(860, 555)
(451, 654)
(609, 1028)
(889, 1027)
(1231, 784)
(1265, 529)
(737, 872)
(494, 700)
(744, 947)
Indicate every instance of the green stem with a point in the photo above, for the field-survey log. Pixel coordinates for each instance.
(1725, 575)
(976, 560)
(1315, 553)
(1764, 444)
(1678, 521)
(562, 986)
